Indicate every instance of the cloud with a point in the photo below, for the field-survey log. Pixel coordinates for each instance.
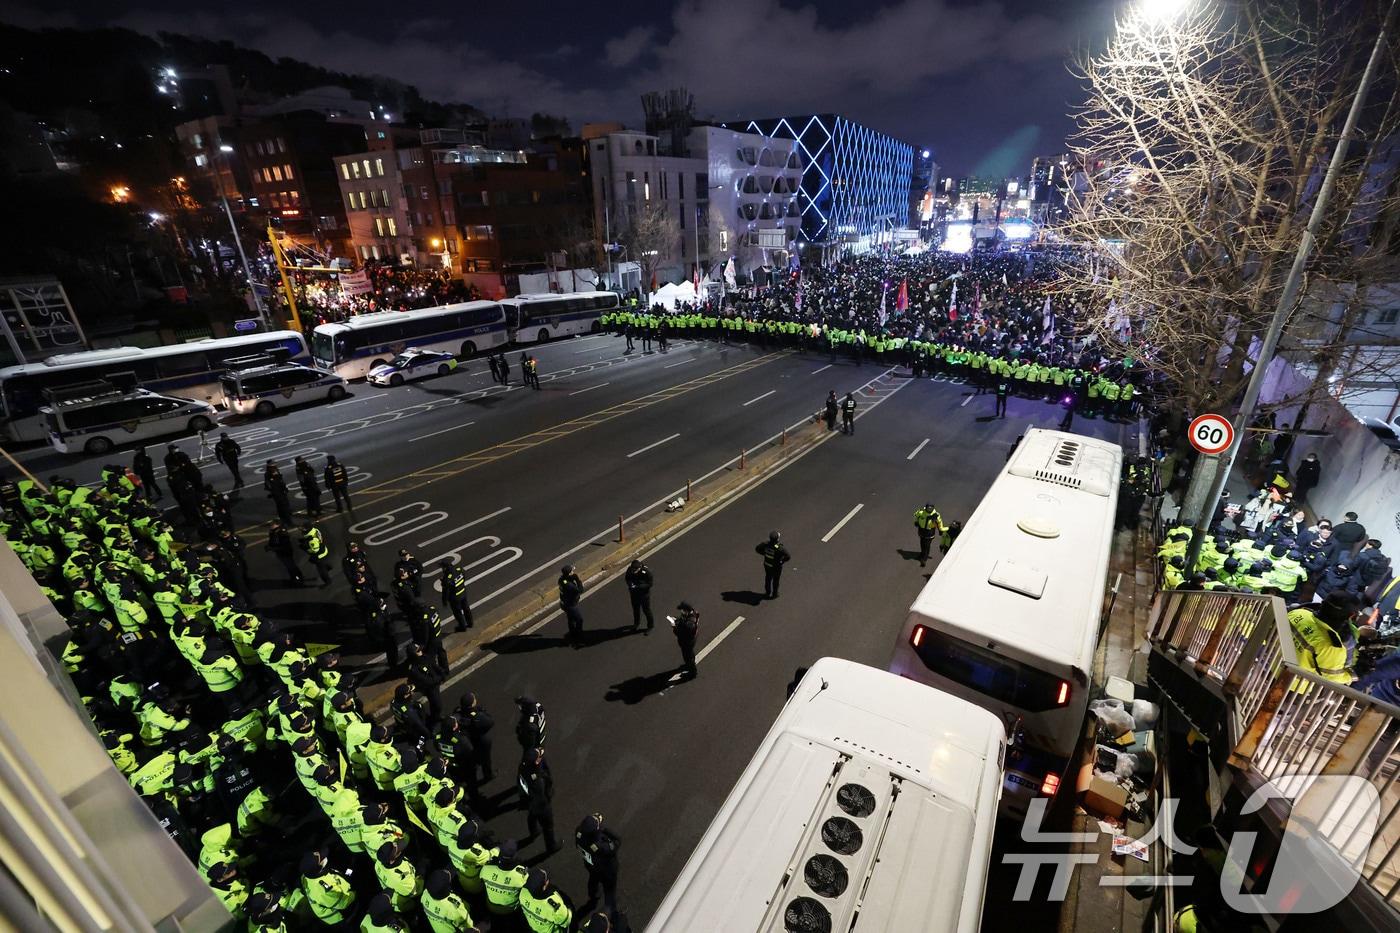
(630, 46)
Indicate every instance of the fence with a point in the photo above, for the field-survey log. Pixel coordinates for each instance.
(1288, 726)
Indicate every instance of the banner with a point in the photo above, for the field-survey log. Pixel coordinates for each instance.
(355, 283)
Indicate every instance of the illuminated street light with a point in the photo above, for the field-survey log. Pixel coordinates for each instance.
(156, 217)
(436, 243)
(121, 194)
(1161, 11)
(225, 147)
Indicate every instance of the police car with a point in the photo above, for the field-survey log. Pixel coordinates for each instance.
(412, 364)
(263, 388)
(93, 418)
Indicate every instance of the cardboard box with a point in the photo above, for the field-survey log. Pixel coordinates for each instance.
(1105, 797)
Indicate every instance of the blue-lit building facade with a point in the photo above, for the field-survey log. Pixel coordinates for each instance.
(855, 180)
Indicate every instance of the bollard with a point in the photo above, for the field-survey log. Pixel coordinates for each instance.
(619, 530)
(783, 443)
(687, 490)
(741, 458)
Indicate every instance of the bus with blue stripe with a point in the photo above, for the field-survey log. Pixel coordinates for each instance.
(351, 348)
(539, 318)
(188, 370)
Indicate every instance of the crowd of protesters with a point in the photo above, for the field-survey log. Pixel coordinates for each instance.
(322, 299)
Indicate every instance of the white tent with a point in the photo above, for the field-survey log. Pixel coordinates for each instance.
(670, 295)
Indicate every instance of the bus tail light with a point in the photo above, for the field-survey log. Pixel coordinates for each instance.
(1062, 697)
(1050, 786)
(918, 636)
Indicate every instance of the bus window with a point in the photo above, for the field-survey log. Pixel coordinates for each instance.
(989, 673)
(184, 364)
(513, 317)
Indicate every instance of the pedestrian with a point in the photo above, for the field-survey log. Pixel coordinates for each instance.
(949, 535)
(280, 544)
(227, 452)
(848, 414)
(143, 467)
(627, 332)
(495, 369)
(477, 724)
(646, 336)
(686, 625)
(1003, 389)
(355, 564)
(454, 593)
(537, 788)
(503, 365)
(533, 368)
(831, 410)
(426, 677)
(774, 555)
(1348, 535)
(598, 846)
(1309, 475)
(410, 722)
(928, 523)
(570, 592)
(532, 728)
(504, 877)
(407, 562)
(639, 582)
(276, 488)
(313, 542)
(338, 482)
(310, 489)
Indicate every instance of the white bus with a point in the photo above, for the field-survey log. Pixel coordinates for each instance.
(189, 370)
(871, 795)
(1011, 617)
(537, 318)
(353, 347)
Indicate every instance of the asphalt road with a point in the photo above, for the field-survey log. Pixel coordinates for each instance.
(514, 482)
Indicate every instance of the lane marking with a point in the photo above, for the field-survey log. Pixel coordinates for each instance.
(719, 638)
(759, 399)
(650, 446)
(966, 400)
(681, 363)
(443, 431)
(842, 523)
(591, 388)
(922, 443)
(359, 398)
(475, 521)
(823, 369)
(533, 624)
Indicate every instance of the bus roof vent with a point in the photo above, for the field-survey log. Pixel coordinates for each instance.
(1018, 578)
(1067, 461)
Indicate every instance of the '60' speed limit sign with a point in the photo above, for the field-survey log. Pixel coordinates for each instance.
(1211, 434)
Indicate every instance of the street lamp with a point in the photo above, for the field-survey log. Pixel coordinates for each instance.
(224, 150)
(1161, 11)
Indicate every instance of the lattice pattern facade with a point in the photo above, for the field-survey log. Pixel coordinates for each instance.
(855, 181)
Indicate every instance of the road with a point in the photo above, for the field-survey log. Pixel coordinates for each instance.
(513, 482)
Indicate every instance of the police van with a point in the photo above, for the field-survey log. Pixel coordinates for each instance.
(259, 385)
(92, 418)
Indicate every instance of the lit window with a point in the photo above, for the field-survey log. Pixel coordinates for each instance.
(379, 226)
(287, 172)
(281, 146)
(277, 173)
(379, 167)
(345, 170)
(392, 227)
(373, 198)
(201, 160)
(356, 167)
(384, 194)
(366, 165)
(381, 135)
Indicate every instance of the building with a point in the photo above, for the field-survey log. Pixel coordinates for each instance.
(923, 183)
(733, 194)
(487, 214)
(856, 181)
(1050, 184)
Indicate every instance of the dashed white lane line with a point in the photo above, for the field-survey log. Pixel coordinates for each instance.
(650, 446)
(842, 523)
(590, 388)
(916, 450)
(719, 638)
(681, 363)
(966, 400)
(759, 399)
(359, 398)
(443, 431)
(823, 369)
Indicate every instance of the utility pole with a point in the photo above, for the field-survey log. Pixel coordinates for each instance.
(1289, 296)
(224, 150)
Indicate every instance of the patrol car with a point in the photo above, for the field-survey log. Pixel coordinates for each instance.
(263, 388)
(412, 364)
(95, 417)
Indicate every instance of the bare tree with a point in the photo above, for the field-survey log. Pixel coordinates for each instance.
(1202, 140)
(652, 237)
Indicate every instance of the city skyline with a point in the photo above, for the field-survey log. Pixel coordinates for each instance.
(906, 68)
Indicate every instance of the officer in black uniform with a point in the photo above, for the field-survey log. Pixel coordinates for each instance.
(831, 410)
(848, 414)
(537, 788)
(774, 556)
(639, 581)
(426, 678)
(477, 723)
(406, 595)
(227, 452)
(310, 489)
(143, 467)
(407, 707)
(338, 482)
(686, 625)
(356, 563)
(279, 542)
(532, 726)
(374, 609)
(598, 845)
(410, 563)
(428, 633)
(570, 592)
(454, 594)
(276, 487)
(1003, 389)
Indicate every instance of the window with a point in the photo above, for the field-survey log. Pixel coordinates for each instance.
(702, 186)
(423, 192)
(365, 163)
(680, 185)
(276, 173)
(345, 170)
(350, 200)
(447, 217)
(373, 198)
(381, 135)
(362, 201)
(389, 224)
(682, 206)
(295, 196)
(379, 226)
(356, 167)
(281, 146)
(639, 147)
(991, 674)
(384, 196)
(600, 147)
(287, 171)
(379, 166)
(1388, 316)
(429, 220)
(445, 186)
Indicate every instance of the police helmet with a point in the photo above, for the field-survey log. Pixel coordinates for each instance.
(773, 537)
(1232, 564)
(467, 834)
(389, 853)
(538, 883)
(439, 883)
(508, 848)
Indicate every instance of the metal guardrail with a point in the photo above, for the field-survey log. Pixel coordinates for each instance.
(1288, 726)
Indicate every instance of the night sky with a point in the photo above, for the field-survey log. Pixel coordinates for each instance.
(983, 84)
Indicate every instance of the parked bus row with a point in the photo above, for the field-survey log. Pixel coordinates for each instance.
(199, 371)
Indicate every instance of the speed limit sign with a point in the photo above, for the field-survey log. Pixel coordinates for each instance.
(1211, 433)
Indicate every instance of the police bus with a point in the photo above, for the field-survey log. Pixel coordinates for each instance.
(1011, 617)
(189, 370)
(537, 318)
(354, 346)
(871, 796)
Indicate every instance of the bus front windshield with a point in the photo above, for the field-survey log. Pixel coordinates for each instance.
(323, 347)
